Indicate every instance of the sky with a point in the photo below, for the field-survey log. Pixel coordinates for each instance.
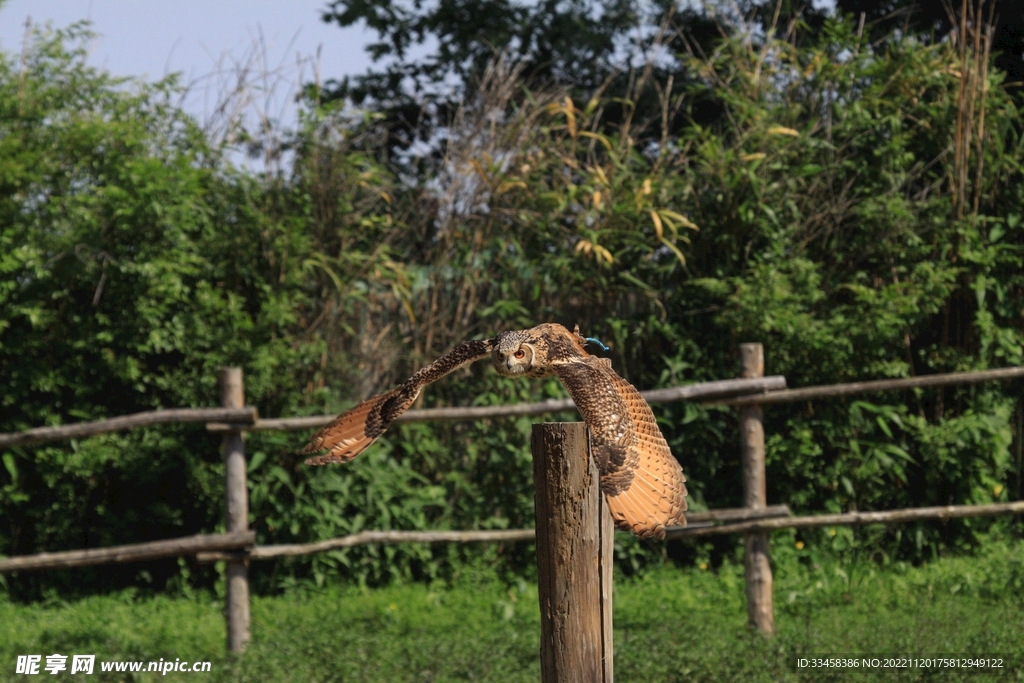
(207, 41)
(148, 37)
(201, 38)
(152, 38)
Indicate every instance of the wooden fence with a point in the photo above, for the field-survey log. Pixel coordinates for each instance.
(749, 393)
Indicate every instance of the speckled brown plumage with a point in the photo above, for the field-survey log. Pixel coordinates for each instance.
(640, 477)
(642, 481)
(353, 431)
(657, 496)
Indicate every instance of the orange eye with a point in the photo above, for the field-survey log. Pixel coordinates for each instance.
(520, 353)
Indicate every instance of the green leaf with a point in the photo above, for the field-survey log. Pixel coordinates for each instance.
(11, 467)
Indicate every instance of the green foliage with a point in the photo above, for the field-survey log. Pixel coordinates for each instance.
(821, 215)
(671, 625)
(931, 21)
(581, 45)
(855, 267)
(135, 263)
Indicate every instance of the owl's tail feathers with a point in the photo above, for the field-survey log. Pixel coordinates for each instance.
(352, 432)
(654, 500)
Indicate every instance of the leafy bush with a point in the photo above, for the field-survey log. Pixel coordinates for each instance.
(836, 211)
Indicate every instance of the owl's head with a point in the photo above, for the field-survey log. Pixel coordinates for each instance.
(533, 352)
(518, 354)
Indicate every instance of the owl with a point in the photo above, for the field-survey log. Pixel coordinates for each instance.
(640, 478)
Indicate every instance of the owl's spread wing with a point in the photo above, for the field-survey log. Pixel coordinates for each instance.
(642, 481)
(353, 431)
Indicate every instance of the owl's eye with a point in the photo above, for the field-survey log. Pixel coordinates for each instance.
(519, 354)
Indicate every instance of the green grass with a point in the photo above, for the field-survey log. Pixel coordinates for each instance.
(671, 625)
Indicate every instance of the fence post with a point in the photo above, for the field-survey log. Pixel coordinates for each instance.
(574, 557)
(236, 495)
(757, 568)
(1020, 442)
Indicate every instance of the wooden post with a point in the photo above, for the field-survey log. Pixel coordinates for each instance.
(758, 570)
(1020, 442)
(574, 557)
(236, 495)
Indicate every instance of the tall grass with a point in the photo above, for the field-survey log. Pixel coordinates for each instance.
(670, 625)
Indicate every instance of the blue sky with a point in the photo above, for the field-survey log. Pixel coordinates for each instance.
(147, 37)
(154, 37)
(205, 40)
(198, 38)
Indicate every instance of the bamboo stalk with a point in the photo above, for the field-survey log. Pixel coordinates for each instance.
(239, 416)
(834, 390)
(702, 390)
(137, 552)
(985, 32)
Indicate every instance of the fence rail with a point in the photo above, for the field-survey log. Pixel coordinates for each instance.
(707, 391)
(270, 552)
(850, 388)
(854, 519)
(136, 552)
(238, 547)
(733, 392)
(232, 546)
(242, 416)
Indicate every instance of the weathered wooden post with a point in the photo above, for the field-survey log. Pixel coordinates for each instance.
(236, 495)
(574, 557)
(758, 570)
(1020, 443)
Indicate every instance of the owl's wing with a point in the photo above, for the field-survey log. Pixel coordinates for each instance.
(642, 481)
(353, 431)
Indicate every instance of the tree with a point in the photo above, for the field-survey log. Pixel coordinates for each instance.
(582, 45)
(933, 21)
(135, 261)
(835, 208)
